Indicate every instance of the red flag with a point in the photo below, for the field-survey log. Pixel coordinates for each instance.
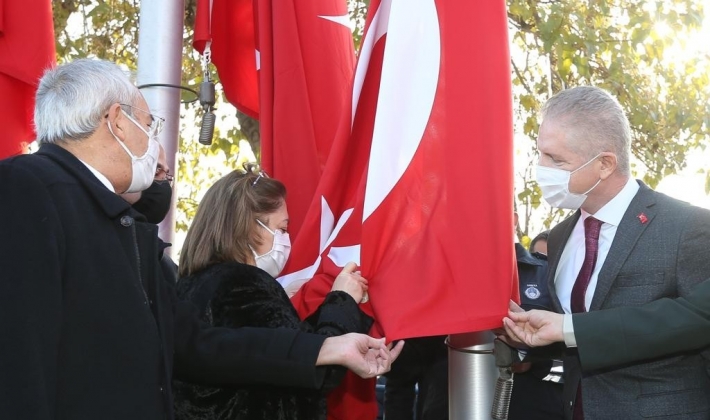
(307, 63)
(26, 50)
(229, 30)
(421, 191)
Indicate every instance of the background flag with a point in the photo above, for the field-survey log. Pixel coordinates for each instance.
(307, 63)
(233, 48)
(26, 50)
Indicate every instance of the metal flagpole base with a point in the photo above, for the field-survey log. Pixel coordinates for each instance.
(472, 375)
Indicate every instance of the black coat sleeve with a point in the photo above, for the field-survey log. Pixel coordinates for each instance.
(244, 355)
(248, 297)
(31, 255)
(339, 314)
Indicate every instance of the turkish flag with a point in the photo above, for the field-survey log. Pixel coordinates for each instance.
(419, 191)
(418, 187)
(229, 29)
(26, 51)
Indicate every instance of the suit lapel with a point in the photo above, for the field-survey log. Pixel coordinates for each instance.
(555, 245)
(627, 234)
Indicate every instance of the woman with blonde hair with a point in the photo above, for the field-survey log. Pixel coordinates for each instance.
(237, 244)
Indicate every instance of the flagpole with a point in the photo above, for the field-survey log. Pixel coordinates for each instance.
(472, 375)
(160, 62)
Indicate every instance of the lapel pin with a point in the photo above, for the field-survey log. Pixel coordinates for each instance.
(642, 218)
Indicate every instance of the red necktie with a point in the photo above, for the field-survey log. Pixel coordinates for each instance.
(592, 227)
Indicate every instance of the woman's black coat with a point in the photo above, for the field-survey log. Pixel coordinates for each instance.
(236, 295)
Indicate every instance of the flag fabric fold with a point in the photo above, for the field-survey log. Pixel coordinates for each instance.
(26, 51)
(437, 225)
(289, 65)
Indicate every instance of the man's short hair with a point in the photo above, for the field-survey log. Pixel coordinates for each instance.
(73, 98)
(594, 121)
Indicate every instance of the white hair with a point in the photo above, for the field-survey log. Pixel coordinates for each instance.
(595, 123)
(73, 98)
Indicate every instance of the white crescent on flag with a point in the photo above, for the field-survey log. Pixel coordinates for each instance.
(410, 75)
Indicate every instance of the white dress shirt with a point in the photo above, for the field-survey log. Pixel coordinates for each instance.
(100, 176)
(572, 256)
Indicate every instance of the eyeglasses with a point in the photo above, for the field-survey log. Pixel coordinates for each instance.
(162, 174)
(156, 122)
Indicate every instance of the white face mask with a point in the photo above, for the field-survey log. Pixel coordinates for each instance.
(274, 261)
(554, 184)
(143, 168)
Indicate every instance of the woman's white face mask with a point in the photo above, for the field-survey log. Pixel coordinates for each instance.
(274, 261)
(554, 184)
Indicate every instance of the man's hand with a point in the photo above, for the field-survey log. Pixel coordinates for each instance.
(367, 357)
(534, 328)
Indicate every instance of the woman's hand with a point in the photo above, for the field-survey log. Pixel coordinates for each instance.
(351, 282)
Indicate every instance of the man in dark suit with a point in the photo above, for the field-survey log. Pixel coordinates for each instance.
(626, 245)
(90, 327)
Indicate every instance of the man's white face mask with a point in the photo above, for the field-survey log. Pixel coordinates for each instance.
(143, 167)
(554, 184)
(275, 260)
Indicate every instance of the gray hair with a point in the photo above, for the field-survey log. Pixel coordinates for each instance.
(73, 98)
(595, 123)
